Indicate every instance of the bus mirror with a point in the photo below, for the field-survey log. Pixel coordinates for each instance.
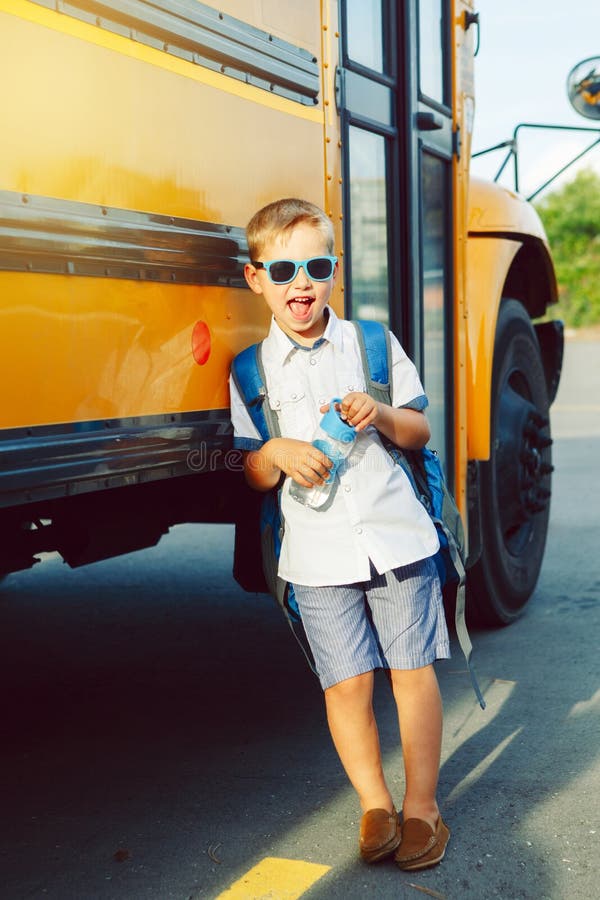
(583, 87)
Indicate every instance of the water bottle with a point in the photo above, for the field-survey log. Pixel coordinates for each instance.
(335, 438)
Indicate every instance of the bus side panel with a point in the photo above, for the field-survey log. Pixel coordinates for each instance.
(76, 349)
(99, 119)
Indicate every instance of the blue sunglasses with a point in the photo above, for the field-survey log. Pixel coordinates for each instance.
(282, 271)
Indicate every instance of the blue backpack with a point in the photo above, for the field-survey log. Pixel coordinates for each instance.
(422, 467)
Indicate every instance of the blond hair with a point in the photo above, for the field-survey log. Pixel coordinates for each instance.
(280, 217)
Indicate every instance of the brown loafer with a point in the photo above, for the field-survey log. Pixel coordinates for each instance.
(421, 846)
(379, 834)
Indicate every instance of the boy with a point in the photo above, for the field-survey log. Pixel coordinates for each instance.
(361, 567)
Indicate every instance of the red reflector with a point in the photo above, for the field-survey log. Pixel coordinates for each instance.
(201, 342)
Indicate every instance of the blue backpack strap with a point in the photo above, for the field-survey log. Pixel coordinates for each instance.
(249, 377)
(376, 354)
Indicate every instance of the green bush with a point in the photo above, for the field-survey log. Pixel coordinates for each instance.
(571, 217)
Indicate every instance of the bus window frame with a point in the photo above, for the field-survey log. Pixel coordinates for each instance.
(390, 79)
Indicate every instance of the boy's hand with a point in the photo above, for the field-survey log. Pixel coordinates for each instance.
(300, 460)
(407, 428)
(358, 409)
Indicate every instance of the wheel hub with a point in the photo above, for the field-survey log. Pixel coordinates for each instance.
(535, 495)
(521, 467)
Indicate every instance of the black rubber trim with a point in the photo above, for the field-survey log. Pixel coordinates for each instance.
(506, 235)
(52, 461)
(44, 234)
(202, 35)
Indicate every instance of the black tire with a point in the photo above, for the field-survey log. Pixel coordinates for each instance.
(514, 486)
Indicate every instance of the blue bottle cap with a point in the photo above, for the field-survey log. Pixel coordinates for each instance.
(333, 425)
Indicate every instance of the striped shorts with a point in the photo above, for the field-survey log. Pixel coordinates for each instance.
(394, 621)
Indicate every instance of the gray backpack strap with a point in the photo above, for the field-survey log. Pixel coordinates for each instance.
(460, 622)
(278, 586)
(270, 416)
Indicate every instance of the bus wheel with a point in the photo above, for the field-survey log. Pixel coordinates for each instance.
(514, 489)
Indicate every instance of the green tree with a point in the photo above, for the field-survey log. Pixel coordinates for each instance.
(571, 217)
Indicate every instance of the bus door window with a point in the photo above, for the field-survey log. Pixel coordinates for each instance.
(434, 218)
(364, 20)
(432, 50)
(369, 136)
(368, 225)
(430, 107)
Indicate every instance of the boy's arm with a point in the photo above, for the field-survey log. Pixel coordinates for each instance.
(265, 462)
(407, 428)
(300, 460)
(404, 423)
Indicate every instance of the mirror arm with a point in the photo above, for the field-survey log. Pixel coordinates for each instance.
(564, 169)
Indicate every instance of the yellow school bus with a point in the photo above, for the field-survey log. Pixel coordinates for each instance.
(138, 139)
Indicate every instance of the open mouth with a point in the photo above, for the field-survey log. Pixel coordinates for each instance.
(300, 307)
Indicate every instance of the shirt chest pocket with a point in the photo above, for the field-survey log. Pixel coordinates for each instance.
(291, 405)
(349, 375)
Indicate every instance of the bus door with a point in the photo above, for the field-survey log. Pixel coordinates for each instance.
(396, 123)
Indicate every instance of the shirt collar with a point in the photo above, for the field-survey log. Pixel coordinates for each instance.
(282, 345)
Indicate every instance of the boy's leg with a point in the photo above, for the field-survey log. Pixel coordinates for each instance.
(353, 728)
(424, 833)
(419, 705)
(354, 732)
(345, 650)
(341, 638)
(408, 614)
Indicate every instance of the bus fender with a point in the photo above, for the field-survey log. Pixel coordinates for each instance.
(507, 256)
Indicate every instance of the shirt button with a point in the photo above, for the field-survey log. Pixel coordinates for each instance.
(294, 396)
(347, 488)
(322, 401)
(358, 530)
(277, 404)
(313, 361)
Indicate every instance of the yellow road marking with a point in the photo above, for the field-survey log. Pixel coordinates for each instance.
(275, 879)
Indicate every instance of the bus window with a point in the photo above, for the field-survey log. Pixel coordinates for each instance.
(368, 225)
(435, 211)
(365, 33)
(431, 50)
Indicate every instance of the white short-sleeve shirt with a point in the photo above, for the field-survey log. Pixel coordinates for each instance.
(374, 515)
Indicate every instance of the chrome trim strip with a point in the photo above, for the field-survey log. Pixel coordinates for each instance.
(202, 35)
(54, 461)
(48, 235)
